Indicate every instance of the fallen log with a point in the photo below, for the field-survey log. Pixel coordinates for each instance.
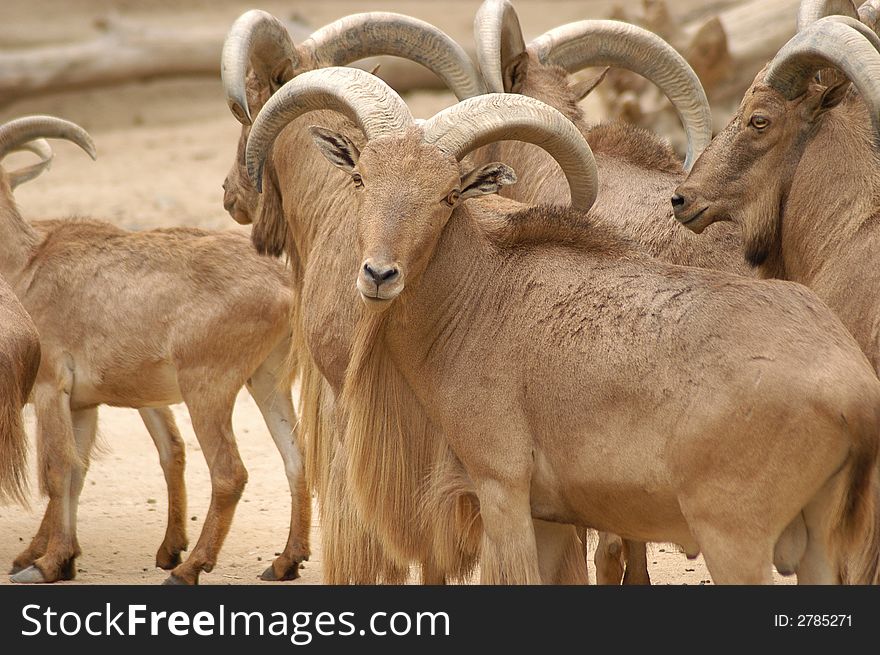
(125, 52)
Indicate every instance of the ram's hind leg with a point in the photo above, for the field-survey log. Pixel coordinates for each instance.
(276, 405)
(211, 412)
(819, 563)
(160, 423)
(737, 555)
(621, 561)
(66, 441)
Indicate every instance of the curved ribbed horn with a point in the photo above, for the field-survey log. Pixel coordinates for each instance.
(504, 117)
(614, 43)
(499, 39)
(856, 24)
(828, 44)
(365, 99)
(261, 40)
(255, 39)
(15, 134)
(383, 33)
(41, 149)
(812, 10)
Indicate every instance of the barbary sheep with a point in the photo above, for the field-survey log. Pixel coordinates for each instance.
(144, 320)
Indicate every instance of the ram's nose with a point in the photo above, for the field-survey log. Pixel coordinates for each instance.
(381, 273)
(380, 281)
(228, 197)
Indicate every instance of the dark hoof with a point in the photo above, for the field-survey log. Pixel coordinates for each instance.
(30, 575)
(68, 571)
(292, 573)
(174, 580)
(168, 561)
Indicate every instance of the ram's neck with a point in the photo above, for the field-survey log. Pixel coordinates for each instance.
(435, 315)
(833, 198)
(17, 239)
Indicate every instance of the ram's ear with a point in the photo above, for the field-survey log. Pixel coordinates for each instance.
(582, 88)
(515, 72)
(830, 96)
(281, 74)
(486, 180)
(337, 148)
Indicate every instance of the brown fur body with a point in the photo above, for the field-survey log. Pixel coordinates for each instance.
(530, 356)
(146, 320)
(805, 192)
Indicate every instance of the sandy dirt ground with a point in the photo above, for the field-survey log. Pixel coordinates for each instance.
(164, 149)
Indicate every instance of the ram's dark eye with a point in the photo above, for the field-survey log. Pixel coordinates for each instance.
(452, 198)
(759, 122)
(358, 180)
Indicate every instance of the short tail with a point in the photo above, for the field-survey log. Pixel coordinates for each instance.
(13, 440)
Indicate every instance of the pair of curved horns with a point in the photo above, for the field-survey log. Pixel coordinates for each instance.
(832, 42)
(260, 40)
(597, 43)
(378, 111)
(29, 133)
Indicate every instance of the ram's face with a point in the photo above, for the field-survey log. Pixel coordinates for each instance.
(240, 198)
(744, 174)
(407, 191)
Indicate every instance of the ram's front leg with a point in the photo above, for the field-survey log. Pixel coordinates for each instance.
(560, 555)
(509, 554)
(267, 387)
(210, 408)
(163, 430)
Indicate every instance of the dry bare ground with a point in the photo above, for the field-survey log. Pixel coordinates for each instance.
(164, 148)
